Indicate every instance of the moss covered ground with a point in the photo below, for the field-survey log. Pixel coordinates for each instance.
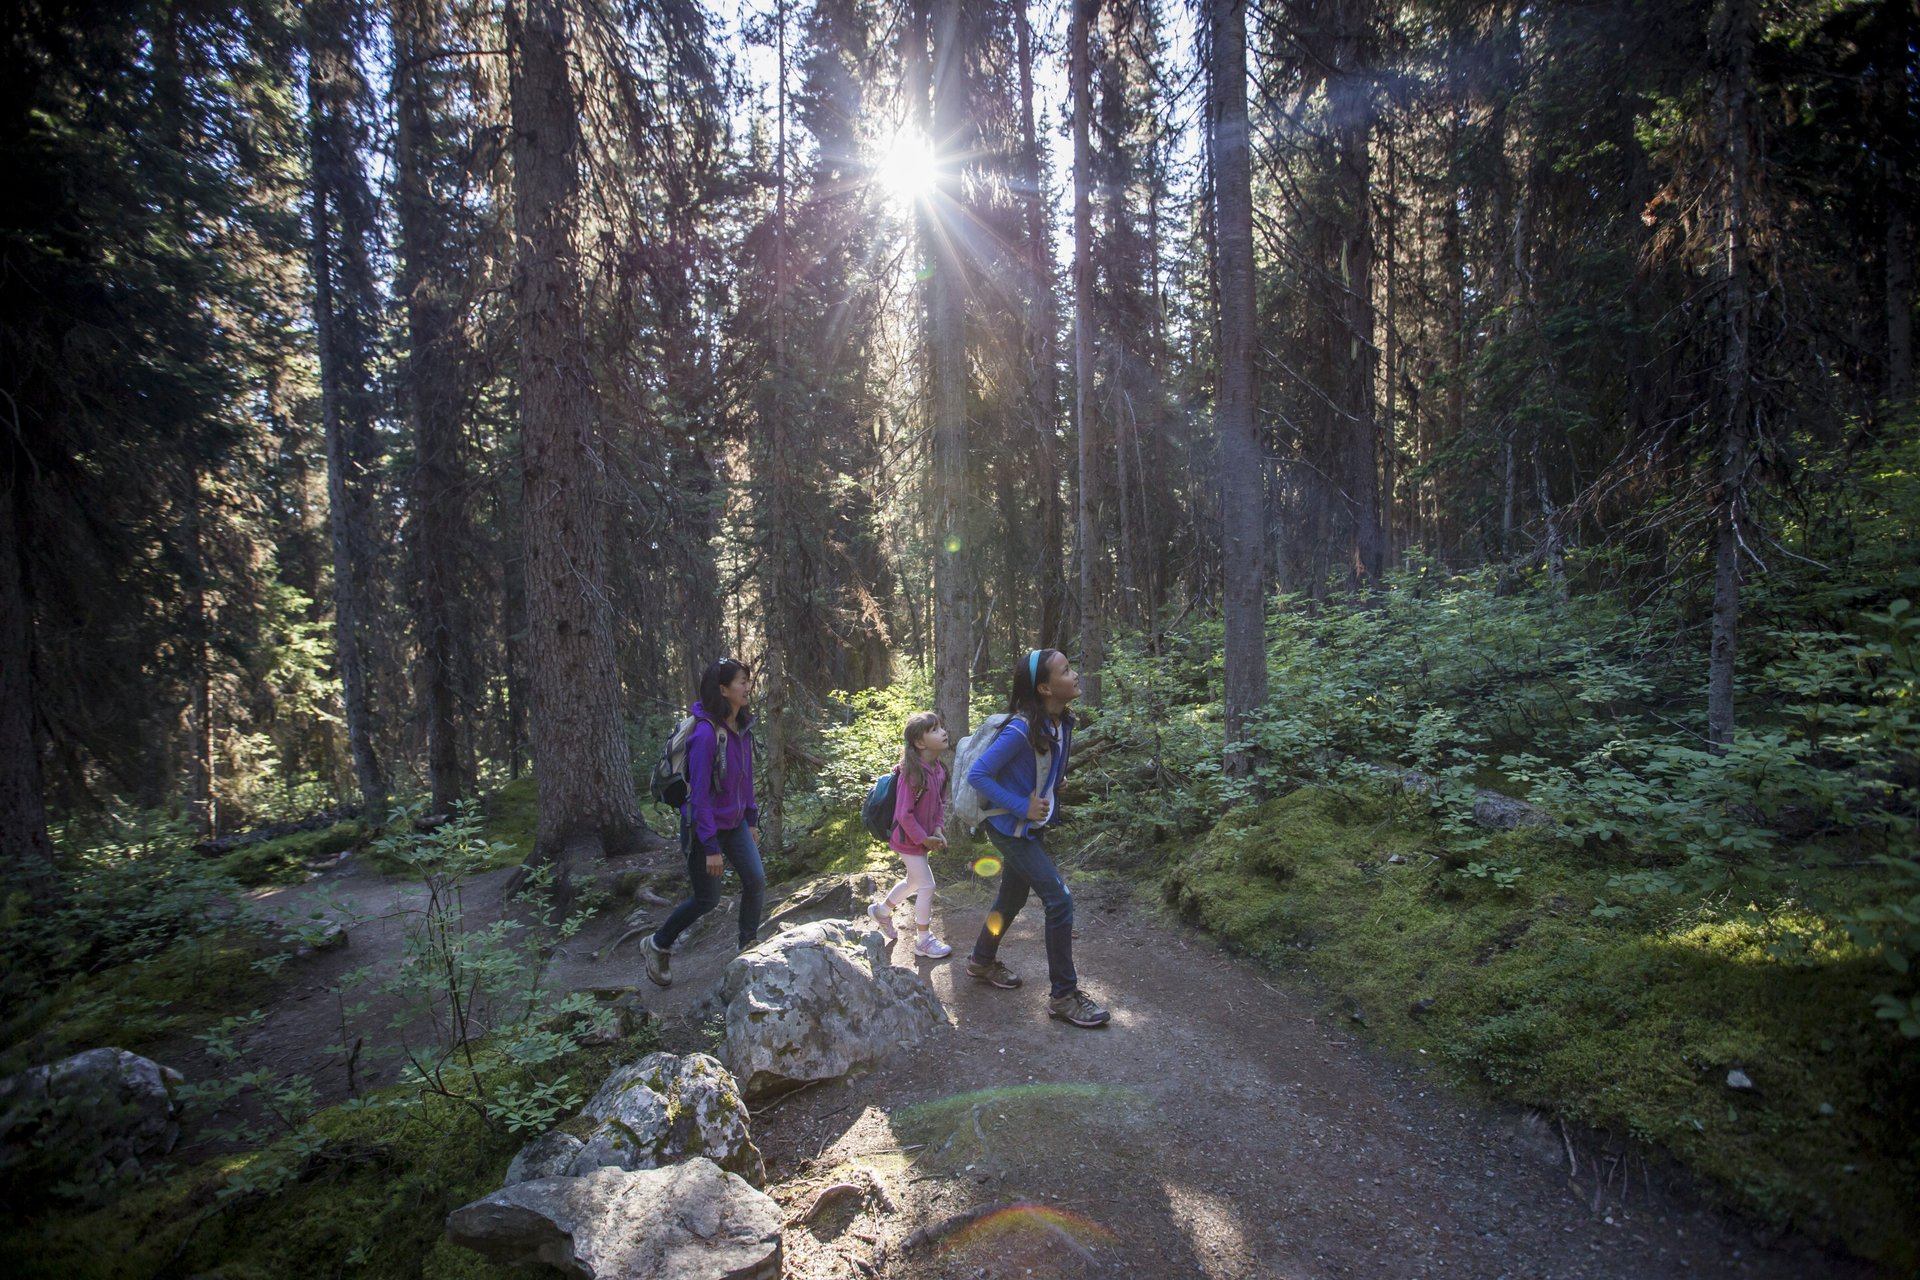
(190, 984)
(1628, 1021)
(372, 1201)
(286, 860)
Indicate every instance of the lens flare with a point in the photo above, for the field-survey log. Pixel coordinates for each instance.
(1032, 1224)
(994, 923)
(986, 865)
(953, 546)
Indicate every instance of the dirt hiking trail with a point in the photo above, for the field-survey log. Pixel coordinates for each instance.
(1224, 1126)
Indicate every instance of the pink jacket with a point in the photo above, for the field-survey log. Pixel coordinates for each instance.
(915, 817)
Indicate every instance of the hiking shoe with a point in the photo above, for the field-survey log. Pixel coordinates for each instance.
(658, 962)
(993, 973)
(931, 947)
(1079, 1009)
(883, 916)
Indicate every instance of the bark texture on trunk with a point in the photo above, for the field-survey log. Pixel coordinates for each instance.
(1732, 48)
(1092, 624)
(772, 458)
(1353, 178)
(580, 753)
(340, 255)
(1242, 501)
(1043, 369)
(433, 391)
(26, 852)
(947, 336)
(1899, 288)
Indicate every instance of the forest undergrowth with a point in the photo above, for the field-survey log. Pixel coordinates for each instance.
(1711, 953)
(1706, 953)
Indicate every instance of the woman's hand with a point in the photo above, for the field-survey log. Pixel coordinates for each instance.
(1037, 808)
(715, 864)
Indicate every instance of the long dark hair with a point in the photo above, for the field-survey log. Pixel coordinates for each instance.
(719, 672)
(1023, 699)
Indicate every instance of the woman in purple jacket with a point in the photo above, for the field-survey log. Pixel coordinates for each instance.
(717, 819)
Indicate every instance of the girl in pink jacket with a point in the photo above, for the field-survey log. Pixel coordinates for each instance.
(919, 813)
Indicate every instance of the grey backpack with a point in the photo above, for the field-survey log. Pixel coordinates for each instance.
(669, 782)
(970, 808)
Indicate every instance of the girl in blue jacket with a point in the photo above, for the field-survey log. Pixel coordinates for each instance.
(1019, 774)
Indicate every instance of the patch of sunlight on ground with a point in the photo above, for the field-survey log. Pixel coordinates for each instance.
(1211, 1227)
(1788, 934)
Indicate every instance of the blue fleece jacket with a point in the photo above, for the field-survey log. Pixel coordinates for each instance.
(710, 812)
(1004, 773)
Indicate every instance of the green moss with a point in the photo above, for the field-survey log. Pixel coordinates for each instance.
(284, 861)
(191, 984)
(836, 845)
(513, 816)
(374, 1202)
(1628, 1024)
(510, 819)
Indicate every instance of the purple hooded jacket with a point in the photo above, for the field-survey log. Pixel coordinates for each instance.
(707, 811)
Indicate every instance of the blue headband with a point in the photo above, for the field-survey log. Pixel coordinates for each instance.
(1033, 666)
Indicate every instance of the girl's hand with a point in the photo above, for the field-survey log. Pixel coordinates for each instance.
(1037, 809)
(936, 842)
(715, 864)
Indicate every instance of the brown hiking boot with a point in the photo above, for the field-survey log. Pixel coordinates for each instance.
(658, 962)
(993, 973)
(1079, 1009)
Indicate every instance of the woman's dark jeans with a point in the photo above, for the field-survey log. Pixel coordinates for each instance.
(1026, 867)
(738, 846)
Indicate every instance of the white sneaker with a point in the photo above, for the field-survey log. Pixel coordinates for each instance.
(883, 916)
(931, 947)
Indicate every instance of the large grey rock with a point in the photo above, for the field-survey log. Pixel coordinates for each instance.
(691, 1221)
(1493, 809)
(817, 1001)
(1504, 813)
(548, 1156)
(659, 1110)
(100, 1111)
(839, 896)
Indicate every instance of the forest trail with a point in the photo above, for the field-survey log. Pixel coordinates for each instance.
(1225, 1126)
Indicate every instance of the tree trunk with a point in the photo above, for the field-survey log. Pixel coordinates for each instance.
(580, 752)
(1899, 288)
(1043, 326)
(770, 494)
(1732, 47)
(1353, 176)
(1389, 370)
(1092, 625)
(432, 383)
(26, 853)
(1243, 522)
(201, 804)
(947, 336)
(340, 253)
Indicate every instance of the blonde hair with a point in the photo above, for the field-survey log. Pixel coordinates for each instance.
(912, 771)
